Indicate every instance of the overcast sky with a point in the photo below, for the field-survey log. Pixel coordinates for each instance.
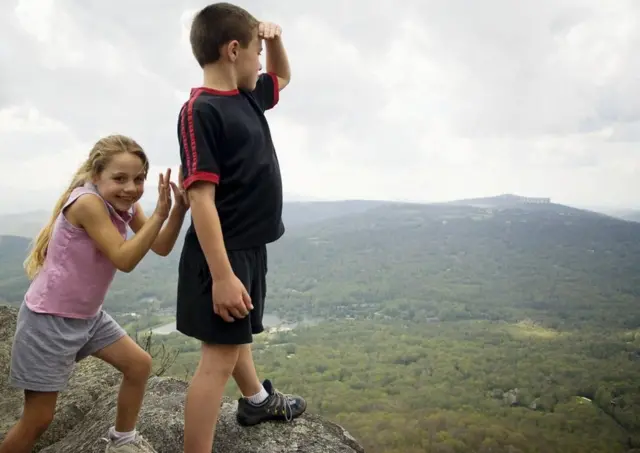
(409, 100)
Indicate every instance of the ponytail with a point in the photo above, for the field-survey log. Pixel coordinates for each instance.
(38, 252)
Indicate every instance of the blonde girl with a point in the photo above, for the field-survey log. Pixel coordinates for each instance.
(71, 265)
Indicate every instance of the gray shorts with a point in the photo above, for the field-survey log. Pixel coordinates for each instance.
(46, 347)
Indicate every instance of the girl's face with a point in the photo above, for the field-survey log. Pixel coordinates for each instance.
(121, 183)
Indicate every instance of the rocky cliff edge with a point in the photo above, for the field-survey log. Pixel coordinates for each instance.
(87, 409)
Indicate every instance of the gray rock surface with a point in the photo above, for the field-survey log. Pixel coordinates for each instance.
(87, 409)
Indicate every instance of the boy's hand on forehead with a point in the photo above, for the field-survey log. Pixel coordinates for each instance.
(269, 30)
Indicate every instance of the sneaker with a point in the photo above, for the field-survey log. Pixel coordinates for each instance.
(277, 406)
(138, 445)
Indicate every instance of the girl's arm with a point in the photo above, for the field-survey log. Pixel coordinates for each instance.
(89, 212)
(166, 239)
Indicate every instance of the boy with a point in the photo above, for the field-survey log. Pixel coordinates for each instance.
(232, 178)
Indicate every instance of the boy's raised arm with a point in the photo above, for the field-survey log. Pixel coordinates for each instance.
(277, 60)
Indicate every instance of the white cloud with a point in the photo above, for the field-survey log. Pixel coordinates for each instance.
(54, 30)
(35, 16)
(48, 172)
(407, 100)
(185, 27)
(28, 119)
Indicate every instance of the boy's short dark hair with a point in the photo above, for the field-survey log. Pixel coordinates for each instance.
(217, 24)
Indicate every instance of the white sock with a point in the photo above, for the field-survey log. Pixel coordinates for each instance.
(121, 438)
(259, 397)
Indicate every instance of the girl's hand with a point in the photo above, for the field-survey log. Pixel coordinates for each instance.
(182, 200)
(163, 206)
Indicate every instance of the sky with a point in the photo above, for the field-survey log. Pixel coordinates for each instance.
(392, 100)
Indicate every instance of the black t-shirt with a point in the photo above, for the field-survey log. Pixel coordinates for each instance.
(225, 139)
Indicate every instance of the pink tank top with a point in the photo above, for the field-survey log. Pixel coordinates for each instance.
(75, 276)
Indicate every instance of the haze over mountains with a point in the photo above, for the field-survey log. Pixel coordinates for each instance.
(299, 209)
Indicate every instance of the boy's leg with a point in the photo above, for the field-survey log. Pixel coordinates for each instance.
(204, 396)
(246, 376)
(110, 343)
(245, 373)
(39, 408)
(221, 343)
(260, 402)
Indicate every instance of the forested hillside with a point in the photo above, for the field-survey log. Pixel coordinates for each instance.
(438, 328)
(556, 264)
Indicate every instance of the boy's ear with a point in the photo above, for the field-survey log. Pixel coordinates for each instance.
(232, 49)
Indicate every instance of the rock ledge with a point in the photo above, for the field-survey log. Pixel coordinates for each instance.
(87, 409)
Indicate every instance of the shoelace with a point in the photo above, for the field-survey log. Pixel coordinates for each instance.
(137, 440)
(286, 402)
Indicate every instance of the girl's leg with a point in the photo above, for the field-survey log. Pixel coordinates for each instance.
(42, 359)
(39, 408)
(135, 365)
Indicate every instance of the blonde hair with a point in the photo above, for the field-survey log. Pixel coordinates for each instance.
(99, 157)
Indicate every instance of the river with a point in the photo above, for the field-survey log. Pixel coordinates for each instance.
(268, 320)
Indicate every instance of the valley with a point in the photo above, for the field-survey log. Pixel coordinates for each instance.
(483, 325)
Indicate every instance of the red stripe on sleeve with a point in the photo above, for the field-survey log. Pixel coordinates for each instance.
(200, 176)
(191, 146)
(192, 132)
(185, 143)
(276, 89)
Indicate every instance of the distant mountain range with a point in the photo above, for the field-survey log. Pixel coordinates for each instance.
(493, 244)
(504, 200)
(625, 214)
(300, 212)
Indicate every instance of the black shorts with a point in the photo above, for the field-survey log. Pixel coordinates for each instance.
(194, 314)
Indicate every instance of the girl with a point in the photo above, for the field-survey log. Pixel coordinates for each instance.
(72, 264)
